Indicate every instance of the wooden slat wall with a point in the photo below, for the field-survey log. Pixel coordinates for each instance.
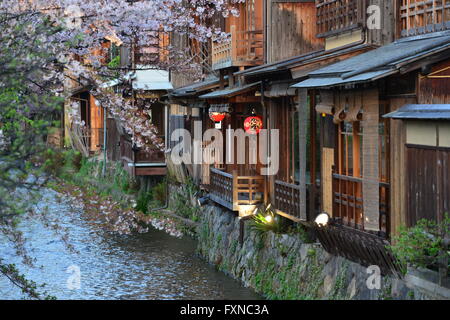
(96, 124)
(422, 185)
(444, 175)
(113, 140)
(435, 87)
(398, 168)
(428, 187)
(370, 157)
(292, 29)
(327, 180)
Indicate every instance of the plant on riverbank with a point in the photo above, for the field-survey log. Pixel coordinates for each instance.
(423, 245)
(265, 220)
(182, 204)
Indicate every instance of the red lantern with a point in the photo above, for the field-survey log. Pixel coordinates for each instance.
(217, 116)
(253, 124)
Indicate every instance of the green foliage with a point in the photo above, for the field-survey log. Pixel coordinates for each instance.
(143, 201)
(53, 161)
(182, 205)
(159, 193)
(265, 220)
(423, 245)
(114, 63)
(302, 232)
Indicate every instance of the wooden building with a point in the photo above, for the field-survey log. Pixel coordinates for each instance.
(143, 86)
(360, 101)
(376, 175)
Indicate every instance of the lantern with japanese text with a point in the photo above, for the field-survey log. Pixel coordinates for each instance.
(217, 116)
(253, 124)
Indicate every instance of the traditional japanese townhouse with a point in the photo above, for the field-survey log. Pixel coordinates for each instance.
(372, 179)
(230, 185)
(195, 113)
(83, 115)
(300, 37)
(144, 86)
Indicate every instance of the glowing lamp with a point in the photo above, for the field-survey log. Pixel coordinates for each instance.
(253, 124)
(322, 219)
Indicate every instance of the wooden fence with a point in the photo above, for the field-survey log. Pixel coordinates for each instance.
(360, 247)
(348, 202)
(233, 191)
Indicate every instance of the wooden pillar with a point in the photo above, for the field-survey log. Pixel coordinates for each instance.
(371, 175)
(302, 124)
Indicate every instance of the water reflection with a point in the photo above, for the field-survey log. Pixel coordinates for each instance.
(140, 266)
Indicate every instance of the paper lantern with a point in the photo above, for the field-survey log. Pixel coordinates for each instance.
(217, 116)
(253, 124)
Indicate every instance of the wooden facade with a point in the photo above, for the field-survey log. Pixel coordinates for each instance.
(338, 152)
(89, 136)
(245, 46)
(419, 16)
(291, 29)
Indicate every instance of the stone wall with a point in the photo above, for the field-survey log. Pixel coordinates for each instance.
(284, 267)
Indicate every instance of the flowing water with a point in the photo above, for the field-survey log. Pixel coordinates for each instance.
(153, 265)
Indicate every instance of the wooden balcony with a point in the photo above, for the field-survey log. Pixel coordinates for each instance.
(338, 16)
(245, 48)
(142, 163)
(233, 191)
(287, 198)
(424, 16)
(348, 203)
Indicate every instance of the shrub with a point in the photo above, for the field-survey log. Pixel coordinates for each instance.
(53, 161)
(265, 220)
(143, 201)
(159, 193)
(423, 245)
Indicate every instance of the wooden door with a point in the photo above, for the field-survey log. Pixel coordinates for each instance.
(428, 187)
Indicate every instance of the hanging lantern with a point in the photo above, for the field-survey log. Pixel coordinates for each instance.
(217, 116)
(253, 124)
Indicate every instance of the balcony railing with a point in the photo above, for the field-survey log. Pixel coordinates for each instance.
(424, 16)
(287, 198)
(140, 162)
(245, 48)
(337, 16)
(348, 203)
(233, 191)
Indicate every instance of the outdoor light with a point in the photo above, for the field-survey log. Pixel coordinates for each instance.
(269, 218)
(203, 200)
(322, 219)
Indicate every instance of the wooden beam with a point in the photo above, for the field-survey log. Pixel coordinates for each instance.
(302, 125)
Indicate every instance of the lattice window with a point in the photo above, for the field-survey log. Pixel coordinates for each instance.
(335, 16)
(418, 16)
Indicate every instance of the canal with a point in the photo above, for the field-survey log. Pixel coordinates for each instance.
(152, 265)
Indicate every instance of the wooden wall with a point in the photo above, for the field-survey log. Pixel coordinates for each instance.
(291, 29)
(398, 168)
(96, 124)
(428, 187)
(435, 87)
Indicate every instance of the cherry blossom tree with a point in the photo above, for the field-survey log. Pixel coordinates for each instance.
(86, 25)
(46, 44)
